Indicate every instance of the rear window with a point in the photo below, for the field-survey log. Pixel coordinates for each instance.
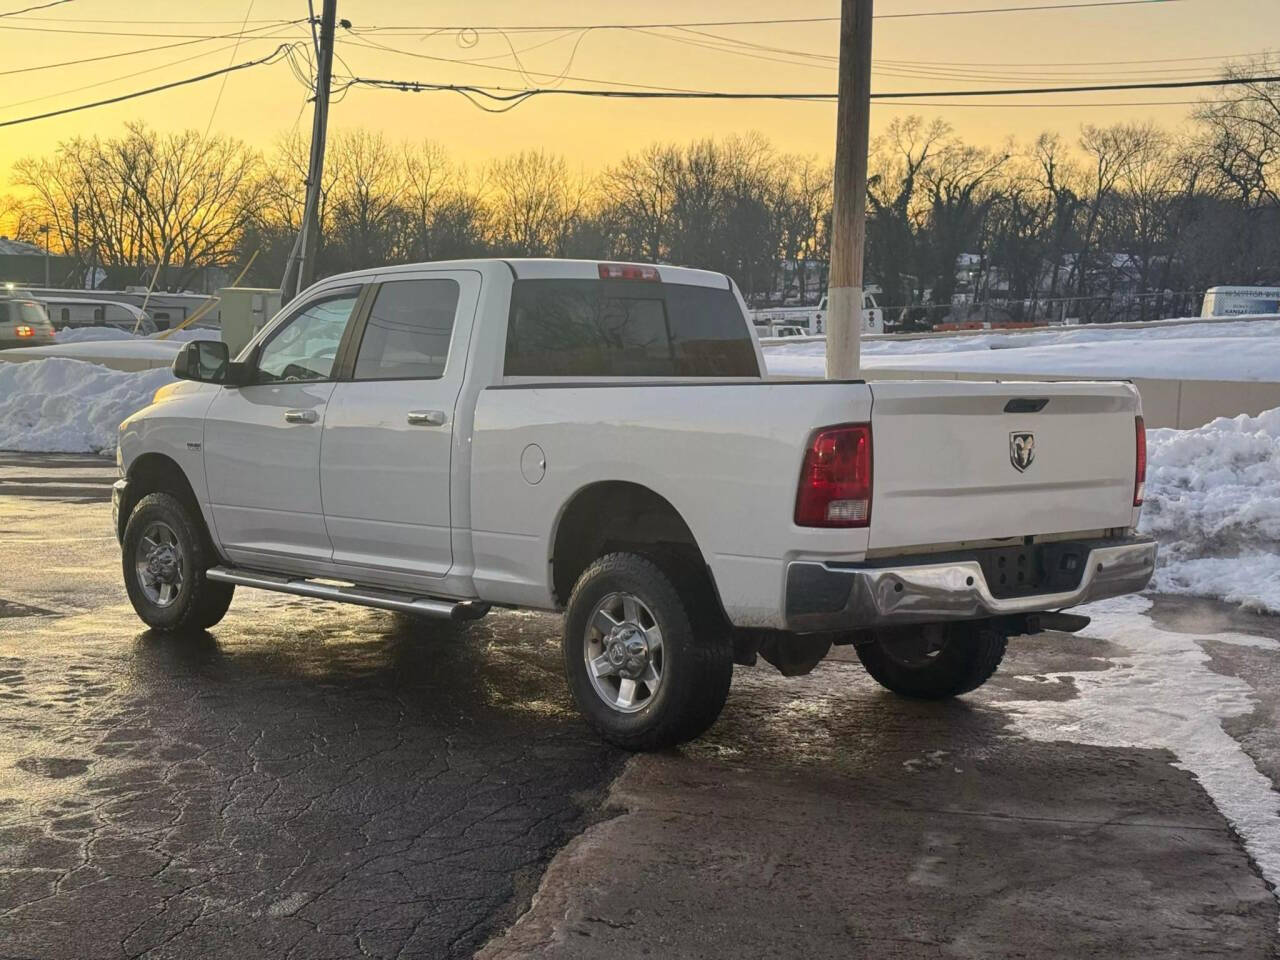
(33, 313)
(620, 328)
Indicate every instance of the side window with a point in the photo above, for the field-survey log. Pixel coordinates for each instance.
(4, 313)
(305, 347)
(610, 328)
(409, 329)
(587, 328)
(66, 315)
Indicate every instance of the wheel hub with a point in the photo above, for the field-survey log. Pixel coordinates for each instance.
(162, 564)
(158, 561)
(628, 650)
(623, 652)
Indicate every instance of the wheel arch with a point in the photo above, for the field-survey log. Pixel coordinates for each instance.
(608, 516)
(160, 473)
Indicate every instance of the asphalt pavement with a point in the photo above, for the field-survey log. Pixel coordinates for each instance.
(311, 780)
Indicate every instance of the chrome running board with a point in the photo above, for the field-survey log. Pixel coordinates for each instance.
(363, 596)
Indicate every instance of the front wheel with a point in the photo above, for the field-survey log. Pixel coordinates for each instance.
(165, 559)
(641, 675)
(933, 661)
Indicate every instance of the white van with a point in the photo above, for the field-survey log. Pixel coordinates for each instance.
(1238, 301)
(84, 312)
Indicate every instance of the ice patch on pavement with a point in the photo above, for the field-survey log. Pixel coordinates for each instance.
(1213, 501)
(58, 405)
(1161, 694)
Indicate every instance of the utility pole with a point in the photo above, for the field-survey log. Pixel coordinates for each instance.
(848, 215)
(300, 269)
(44, 228)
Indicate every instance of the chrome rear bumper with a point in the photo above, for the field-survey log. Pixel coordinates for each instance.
(823, 597)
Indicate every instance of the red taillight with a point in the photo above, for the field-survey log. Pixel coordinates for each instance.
(628, 271)
(1140, 470)
(24, 331)
(835, 483)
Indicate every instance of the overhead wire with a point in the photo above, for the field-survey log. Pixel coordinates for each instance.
(38, 6)
(110, 80)
(141, 50)
(514, 97)
(223, 85)
(770, 21)
(270, 58)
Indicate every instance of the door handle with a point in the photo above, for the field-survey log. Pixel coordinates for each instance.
(426, 418)
(301, 416)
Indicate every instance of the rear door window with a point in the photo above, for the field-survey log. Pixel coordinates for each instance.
(608, 328)
(408, 332)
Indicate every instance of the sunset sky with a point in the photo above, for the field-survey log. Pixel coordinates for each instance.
(1008, 49)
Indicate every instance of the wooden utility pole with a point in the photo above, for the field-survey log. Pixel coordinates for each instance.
(848, 215)
(300, 269)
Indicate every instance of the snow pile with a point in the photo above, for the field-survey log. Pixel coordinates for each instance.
(83, 334)
(98, 334)
(1175, 350)
(69, 406)
(1213, 501)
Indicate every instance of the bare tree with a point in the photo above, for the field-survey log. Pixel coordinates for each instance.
(535, 200)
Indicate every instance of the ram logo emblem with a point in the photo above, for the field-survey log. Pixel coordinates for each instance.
(1022, 450)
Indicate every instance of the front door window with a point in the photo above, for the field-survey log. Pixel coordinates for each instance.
(305, 347)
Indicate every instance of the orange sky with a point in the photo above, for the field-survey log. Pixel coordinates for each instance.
(259, 104)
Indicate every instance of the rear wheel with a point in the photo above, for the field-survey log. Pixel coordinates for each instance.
(641, 674)
(933, 661)
(165, 557)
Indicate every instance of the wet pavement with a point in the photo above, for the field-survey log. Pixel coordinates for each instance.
(310, 780)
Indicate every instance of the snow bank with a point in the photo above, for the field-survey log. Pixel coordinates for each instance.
(84, 334)
(1213, 501)
(69, 406)
(98, 334)
(1187, 351)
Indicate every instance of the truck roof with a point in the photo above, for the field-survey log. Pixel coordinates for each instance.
(536, 268)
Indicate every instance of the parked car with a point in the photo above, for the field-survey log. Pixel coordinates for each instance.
(23, 323)
(602, 439)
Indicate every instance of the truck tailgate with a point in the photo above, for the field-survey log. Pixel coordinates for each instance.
(961, 461)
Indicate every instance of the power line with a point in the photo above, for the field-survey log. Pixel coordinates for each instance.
(40, 6)
(134, 33)
(135, 52)
(771, 21)
(511, 98)
(127, 76)
(223, 85)
(270, 58)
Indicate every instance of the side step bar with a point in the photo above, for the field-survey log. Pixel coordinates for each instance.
(363, 596)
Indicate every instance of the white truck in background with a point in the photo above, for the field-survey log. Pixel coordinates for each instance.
(1240, 301)
(602, 439)
(813, 320)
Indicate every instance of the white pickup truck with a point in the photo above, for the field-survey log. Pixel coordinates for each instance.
(603, 439)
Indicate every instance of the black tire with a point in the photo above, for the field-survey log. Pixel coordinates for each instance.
(963, 657)
(696, 661)
(199, 603)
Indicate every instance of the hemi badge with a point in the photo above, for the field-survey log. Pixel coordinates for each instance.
(193, 444)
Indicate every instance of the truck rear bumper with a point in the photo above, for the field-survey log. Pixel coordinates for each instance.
(822, 597)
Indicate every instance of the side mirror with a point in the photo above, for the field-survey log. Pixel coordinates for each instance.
(205, 361)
